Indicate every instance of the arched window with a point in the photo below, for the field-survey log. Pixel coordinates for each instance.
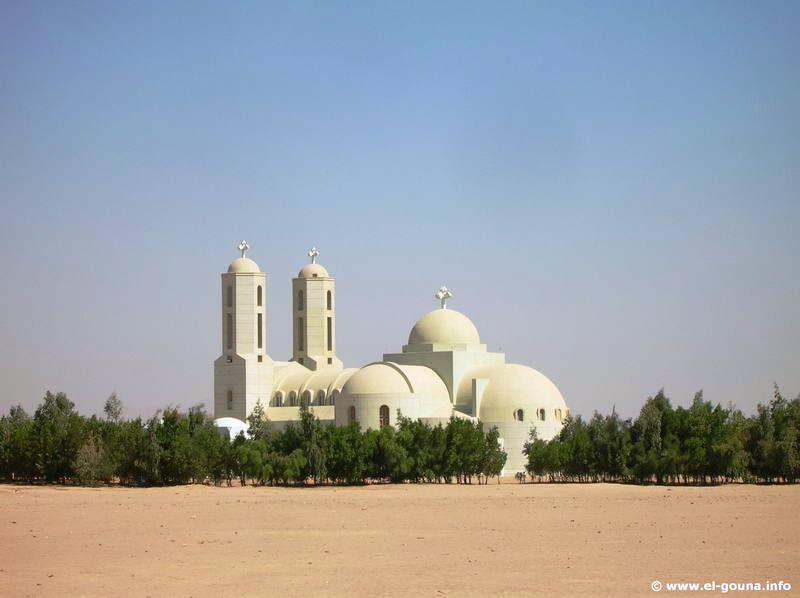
(541, 414)
(384, 415)
(352, 414)
(230, 400)
(519, 415)
(305, 399)
(259, 296)
(293, 399)
(278, 400)
(230, 296)
(558, 415)
(334, 396)
(300, 301)
(300, 343)
(330, 300)
(320, 397)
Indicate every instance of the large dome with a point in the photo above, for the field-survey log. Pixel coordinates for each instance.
(243, 265)
(444, 326)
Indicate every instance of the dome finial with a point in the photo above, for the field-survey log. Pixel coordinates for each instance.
(443, 295)
(313, 253)
(243, 247)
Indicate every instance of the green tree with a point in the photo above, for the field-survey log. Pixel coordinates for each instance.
(535, 449)
(313, 445)
(92, 464)
(347, 454)
(113, 408)
(251, 455)
(57, 437)
(17, 456)
(259, 427)
(493, 457)
(294, 467)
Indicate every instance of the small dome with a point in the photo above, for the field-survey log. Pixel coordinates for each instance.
(230, 426)
(313, 271)
(444, 326)
(375, 394)
(243, 265)
(376, 379)
(511, 387)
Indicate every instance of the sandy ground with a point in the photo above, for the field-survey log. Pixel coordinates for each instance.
(406, 540)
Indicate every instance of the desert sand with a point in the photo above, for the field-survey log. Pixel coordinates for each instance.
(393, 540)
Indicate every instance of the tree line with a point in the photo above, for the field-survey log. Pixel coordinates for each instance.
(703, 444)
(57, 444)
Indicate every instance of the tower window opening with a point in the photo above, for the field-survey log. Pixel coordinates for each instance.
(260, 331)
(230, 400)
(330, 334)
(229, 330)
(300, 301)
(259, 296)
(330, 300)
(300, 343)
(230, 296)
(384, 415)
(260, 358)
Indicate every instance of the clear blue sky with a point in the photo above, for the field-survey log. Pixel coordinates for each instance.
(611, 190)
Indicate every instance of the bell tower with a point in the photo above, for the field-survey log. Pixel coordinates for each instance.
(243, 373)
(314, 316)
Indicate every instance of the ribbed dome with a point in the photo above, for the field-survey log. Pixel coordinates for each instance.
(243, 265)
(313, 271)
(444, 326)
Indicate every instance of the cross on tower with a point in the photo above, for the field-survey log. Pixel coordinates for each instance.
(243, 247)
(443, 295)
(313, 253)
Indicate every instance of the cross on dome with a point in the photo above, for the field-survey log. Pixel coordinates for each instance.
(313, 253)
(243, 247)
(443, 294)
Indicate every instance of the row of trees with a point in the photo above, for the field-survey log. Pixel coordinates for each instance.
(705, 443)
(57, 444)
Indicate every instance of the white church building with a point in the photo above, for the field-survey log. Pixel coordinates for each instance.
(443, 371)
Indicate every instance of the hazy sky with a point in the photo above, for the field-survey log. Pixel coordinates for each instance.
(611, 190)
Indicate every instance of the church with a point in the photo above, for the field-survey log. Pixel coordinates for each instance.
(443, 371)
